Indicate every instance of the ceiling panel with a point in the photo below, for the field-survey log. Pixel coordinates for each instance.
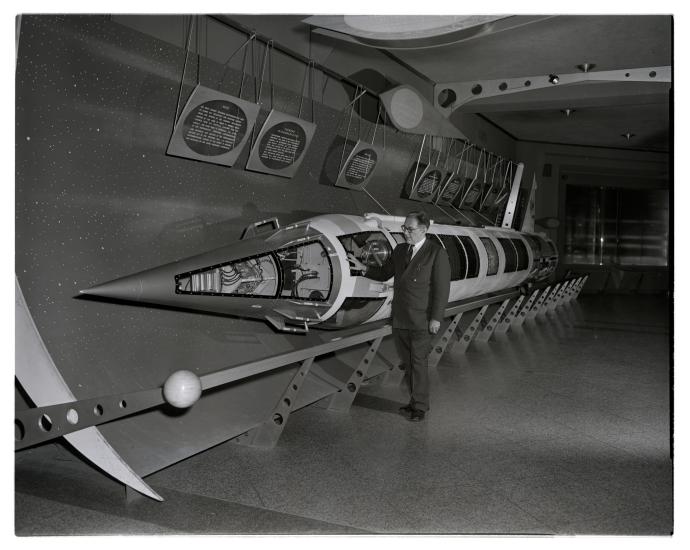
(596, 126)
(553, 45)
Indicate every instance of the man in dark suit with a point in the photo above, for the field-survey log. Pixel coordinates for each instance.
(420, 295)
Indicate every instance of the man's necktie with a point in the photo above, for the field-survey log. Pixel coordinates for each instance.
(408, 256)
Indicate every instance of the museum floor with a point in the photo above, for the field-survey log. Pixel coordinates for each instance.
(560, 427)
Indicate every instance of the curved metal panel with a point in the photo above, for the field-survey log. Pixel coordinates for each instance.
(41, 379)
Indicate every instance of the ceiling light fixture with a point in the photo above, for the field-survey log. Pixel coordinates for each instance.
(586, 67)
(628, 135)
(567, 112)
(553, 78)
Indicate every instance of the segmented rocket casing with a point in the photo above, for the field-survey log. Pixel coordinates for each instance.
(300, 275)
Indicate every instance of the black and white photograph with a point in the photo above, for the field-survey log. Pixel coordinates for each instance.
(337, 273)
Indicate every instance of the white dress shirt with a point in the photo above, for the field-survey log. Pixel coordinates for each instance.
(416, 247)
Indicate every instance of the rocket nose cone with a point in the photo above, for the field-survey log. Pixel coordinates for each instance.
(126, 288)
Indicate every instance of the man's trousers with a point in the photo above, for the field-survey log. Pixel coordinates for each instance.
(413, 347)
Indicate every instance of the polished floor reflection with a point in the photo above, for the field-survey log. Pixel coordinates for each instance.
(562, 426)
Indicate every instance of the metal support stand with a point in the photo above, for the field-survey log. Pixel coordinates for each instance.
(342, 401)
(532, 313)
(522, 316)
(490, 327)
(507, 321)
(573, 289)
(438, 348)
(567, 291)
(466, 338)
(560, 299)
(546, 306)
(582, 285)
(266, 435)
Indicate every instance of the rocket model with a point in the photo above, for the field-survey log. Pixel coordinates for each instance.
(299, 276)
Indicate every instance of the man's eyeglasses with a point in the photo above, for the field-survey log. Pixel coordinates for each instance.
(408, 229)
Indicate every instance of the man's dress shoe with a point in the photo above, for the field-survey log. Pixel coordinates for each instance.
(406, 410)
(417, 415)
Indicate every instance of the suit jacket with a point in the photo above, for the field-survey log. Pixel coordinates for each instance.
(421, 288)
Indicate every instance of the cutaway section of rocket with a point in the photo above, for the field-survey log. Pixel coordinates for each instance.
(300, 272)
(284, 276)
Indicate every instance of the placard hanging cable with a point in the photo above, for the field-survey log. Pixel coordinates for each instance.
(459, 169)
(419, 159)
(306, 81)
(244, 66)
(197, 49)
(253, 58)
(311, 89)
(347, 132)
(383, 122)
(505, 187)
(476, 174)
(227, 61)
(261, 85)
(462, 166)
(250, 41)
(376, 125)
(441, 186)
(359, 118)
(488, 185)
(447, 174)
(374, 199)
(268, 53)
(486, 189)
(373, 138)
(184, 68)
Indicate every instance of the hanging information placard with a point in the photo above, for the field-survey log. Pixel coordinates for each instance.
(490, 200)
(281, 145)
(492, 188)
(454, 186)
(359, 166)
(470, 188)
(471, 196)
(427, 184)
(213, 127)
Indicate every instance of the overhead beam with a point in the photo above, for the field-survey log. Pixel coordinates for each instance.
(448, 96)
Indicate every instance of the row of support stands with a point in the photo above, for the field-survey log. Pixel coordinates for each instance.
(480, 328)
(536, 303)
